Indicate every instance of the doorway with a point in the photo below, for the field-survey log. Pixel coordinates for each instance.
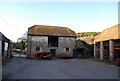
(52, 41)
(53, 52)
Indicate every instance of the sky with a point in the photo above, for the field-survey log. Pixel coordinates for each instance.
(17, 17)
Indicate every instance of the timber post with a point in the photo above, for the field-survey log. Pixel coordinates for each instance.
(101, 50)
(111, 50)
(94, 50)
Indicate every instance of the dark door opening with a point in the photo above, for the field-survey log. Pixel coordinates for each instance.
(52, 41)
(106, 55)
(79, 52)
(53, 52)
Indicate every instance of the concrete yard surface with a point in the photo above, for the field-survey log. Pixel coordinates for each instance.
(21, 68)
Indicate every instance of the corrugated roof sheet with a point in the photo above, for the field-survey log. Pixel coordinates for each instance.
(109, 34)
(51, 31)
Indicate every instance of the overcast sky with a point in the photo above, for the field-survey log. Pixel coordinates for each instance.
(16, 17)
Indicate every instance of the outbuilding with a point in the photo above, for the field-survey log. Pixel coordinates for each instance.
(82, 49)
(5, 47)
(107, 44)
(59, 41)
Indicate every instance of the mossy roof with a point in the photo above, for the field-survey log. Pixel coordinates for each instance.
(109, 34)
(87, 39)
(51, 31)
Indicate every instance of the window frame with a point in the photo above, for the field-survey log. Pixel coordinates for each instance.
(67, 49)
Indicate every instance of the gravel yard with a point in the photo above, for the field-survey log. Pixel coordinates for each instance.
(21, 68)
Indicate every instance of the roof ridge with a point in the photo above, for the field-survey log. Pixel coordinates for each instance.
(48, 26)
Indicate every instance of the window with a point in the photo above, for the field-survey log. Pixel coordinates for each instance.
(52, 41)
(67, 49)
(37, 48)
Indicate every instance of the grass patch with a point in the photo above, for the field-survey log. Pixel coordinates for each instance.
(106, 61)
(109, 62)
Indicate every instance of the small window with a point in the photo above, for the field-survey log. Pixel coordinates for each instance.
(67, 49)
(37, 48)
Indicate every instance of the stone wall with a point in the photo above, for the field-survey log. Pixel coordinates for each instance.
(37, 41)
(42, 42)
(66, 42)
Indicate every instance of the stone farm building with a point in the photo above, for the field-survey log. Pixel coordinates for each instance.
(56, 40)
(107, 44)
(5, 47)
